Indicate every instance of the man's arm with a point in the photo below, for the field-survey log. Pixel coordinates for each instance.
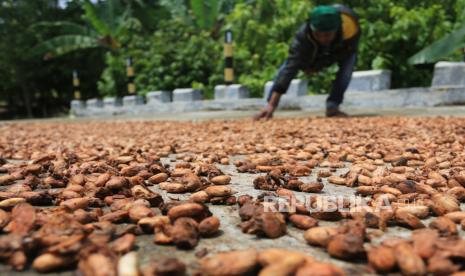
(297, 51)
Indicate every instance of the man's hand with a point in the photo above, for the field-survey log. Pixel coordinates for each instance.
(267, 112)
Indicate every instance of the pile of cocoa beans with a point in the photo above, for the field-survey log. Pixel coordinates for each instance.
(76, 195)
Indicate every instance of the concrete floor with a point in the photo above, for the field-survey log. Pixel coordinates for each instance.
(455, 111)
(231, 237)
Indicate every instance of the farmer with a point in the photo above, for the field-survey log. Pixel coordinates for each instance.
(330, 36)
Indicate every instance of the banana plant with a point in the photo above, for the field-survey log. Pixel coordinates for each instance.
(440, 48)
(106, 22)
(206, 12)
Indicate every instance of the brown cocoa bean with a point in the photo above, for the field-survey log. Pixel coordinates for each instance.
(75, 203)
(320, 235)
(230, 263)
(345, 246)
(303, 222)
(185, 233)
(409, 262)
(382, 259)
(158, 178)
(444, 225)
(50, 262)
(221, 180)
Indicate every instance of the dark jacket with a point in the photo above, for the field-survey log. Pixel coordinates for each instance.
(305, 53)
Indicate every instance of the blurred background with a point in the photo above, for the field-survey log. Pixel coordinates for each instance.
(179, 43)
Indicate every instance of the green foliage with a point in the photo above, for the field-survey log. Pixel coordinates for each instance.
(176, 56)
(205, 12)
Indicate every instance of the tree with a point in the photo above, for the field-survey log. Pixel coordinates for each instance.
(106, 22)
(31, 86)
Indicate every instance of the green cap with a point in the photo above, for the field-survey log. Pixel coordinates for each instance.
(325, 19)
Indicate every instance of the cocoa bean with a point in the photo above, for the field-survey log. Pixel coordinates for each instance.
(97, 265)
(165, 267)
(320, 235)
(209, 226)
(123, 244)
(199, 197)
(444, 225)
(158, 178)
(138, 212)
(185, 233)
(50, 262)
(424, 242)
(303, 222)
(312, 187)
(218, 191)
(174, 188)
(319, 269)
(128, 265)
(345, 246)
(409, 262)
(443, 204)
(221, 180)
(75, 203)
(382, 259)
(191, 210)
(230, 263)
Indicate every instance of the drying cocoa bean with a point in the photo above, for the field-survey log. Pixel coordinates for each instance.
(115, 217)
(230, 263)
(320, 235)
(185, 233)
(4, 218)
(128, 265)
(23, 219)
(218, 191)
(9, 203)
(456, 217)
(48, 262)
(209, 226)
(174, 188)
(443, 204)
(76, 203)
(97, 265)
(123, 244)
(116, 183)
(345, 246)
(158, 178)
(200, 197)
(444, 225)
(382, 259)
(303, 222)
(165, 267)
(192, 210)
(424, 242)
(440, 264)
(409, 262)
(319, 269)
(312, 187)
(408, 220)
(138, 212)
(221, 180)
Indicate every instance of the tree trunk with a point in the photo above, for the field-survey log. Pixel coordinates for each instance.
(27, 101)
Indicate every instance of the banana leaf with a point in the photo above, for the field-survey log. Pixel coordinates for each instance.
(94, 19)
(205, 12)
(440, 48)
(64, 27)
(64, 44)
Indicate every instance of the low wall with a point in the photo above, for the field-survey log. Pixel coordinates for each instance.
(412, 97)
